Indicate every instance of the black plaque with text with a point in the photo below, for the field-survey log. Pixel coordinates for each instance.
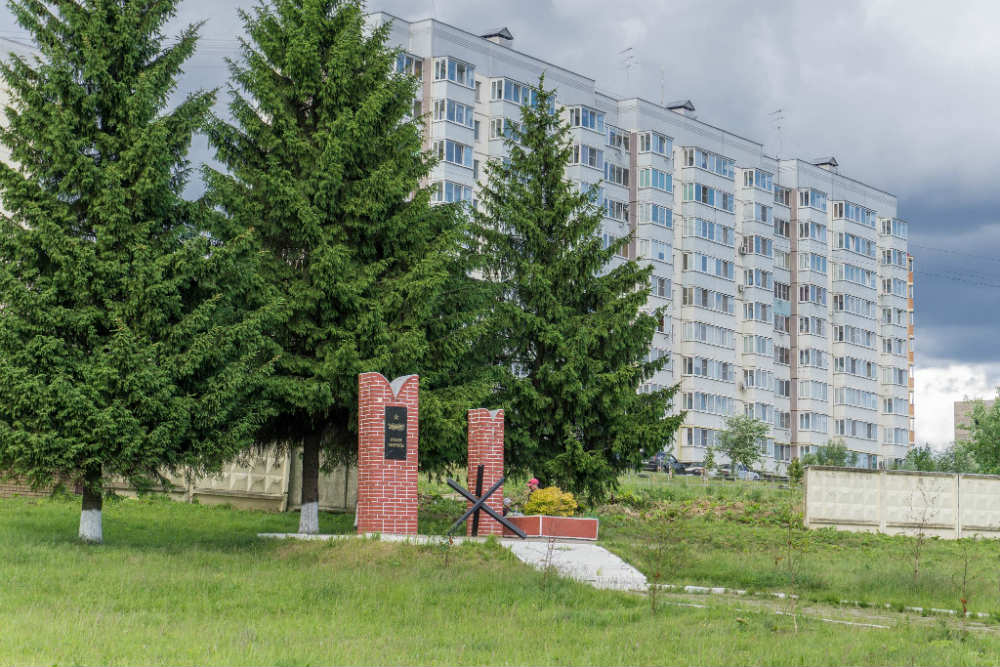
(395, 432)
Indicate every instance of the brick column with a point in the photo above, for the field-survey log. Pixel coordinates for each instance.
(486, 448)
(387, 488)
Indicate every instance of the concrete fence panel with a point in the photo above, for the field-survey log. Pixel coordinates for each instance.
(946, 505)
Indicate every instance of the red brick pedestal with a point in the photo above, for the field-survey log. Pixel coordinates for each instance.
(387, 488)
(486, 448)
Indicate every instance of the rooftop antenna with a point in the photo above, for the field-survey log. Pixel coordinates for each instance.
(628, 60)
(663, 83)
(778, 119)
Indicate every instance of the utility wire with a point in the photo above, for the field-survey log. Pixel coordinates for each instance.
(954, 252)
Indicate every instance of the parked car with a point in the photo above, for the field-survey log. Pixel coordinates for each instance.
(741, 472)
(662, 461)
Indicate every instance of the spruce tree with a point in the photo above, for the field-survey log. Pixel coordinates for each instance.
(325, 160)
(569, 330)
(124, 344)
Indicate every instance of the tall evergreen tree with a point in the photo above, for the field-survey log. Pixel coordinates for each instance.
(571, 336)
(326, 162)
(124, 348)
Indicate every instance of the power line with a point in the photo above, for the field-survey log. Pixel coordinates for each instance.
(954, 252)
(957, 278)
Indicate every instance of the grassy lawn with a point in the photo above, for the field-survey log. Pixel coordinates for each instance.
(185, 584)
(736, 534)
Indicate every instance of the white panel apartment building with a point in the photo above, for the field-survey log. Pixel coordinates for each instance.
(787, 284)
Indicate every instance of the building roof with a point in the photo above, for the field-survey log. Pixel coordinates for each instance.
(498, 32)
(681, 104)
(828, 160)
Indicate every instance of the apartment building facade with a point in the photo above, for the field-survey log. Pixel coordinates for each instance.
(787, 286)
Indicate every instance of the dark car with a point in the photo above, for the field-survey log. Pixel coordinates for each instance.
(662, 461)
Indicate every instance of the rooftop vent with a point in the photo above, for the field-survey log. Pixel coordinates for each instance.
(683, 107)
(501, 36)
(829, 163)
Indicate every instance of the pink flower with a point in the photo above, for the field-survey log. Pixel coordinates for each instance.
(533, 483)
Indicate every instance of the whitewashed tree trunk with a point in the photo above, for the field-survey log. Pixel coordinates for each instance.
(309, 513)
(91, 528)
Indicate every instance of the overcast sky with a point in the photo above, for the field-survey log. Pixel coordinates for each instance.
(904, 93)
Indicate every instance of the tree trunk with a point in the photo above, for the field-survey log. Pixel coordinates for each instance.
(309, 512)
(90, 514)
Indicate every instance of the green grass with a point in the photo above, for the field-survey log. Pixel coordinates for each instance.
(735, 534)
(185, 584)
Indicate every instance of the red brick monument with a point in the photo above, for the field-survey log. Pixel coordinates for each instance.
(388, 414)
(486, 449)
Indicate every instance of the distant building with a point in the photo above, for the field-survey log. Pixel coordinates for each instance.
(963, 414)
(788, 284)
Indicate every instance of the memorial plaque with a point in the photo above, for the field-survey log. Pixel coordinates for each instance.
(395, 432)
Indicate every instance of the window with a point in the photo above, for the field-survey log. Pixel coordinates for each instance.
(710, 231)
(854, 428)
(893, 375)
(756, 178)
(587, 156)
(696, 157)
(857, 398)
(813, 199)
(447, 191)
(503, 128)
(814, 358)
(896, 436)
(651, 142)
(713, 266)
(781, 323)
(454, 112)
(782, 355)
(758, 278)
(616, 210)
(812, 230)
(782, 260)
(407, 63)
(781, 228)
(588, 118)
(454, 70)
(616, 174)
(894, 227)
(708, 299)
(656, 214)
(617, 138)
(758, 245)
(845, 333)
(660, 286)
(894, 286)
(852, 304)
(758, 378)
(854, 366)
(654, 178)
(815, 326)
(710, 196)
(652, 249)
(782, 291)
(761, 345)
(856, 244)
(894, 346)
(855, 213)
(893, 257)
(454, 152)
(702, 437)
(710, 334)
(812, 294)
(783, 388)
(813, 421)
(810, 261)
(782, 196)
(709, 368)
(814, 390)
(711, 403)
(896, 406)
(762, 213)
(854, 274)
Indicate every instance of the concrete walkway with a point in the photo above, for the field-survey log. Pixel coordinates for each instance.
(583, 561)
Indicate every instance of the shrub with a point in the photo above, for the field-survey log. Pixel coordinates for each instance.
(795, 471)
(552, 501)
